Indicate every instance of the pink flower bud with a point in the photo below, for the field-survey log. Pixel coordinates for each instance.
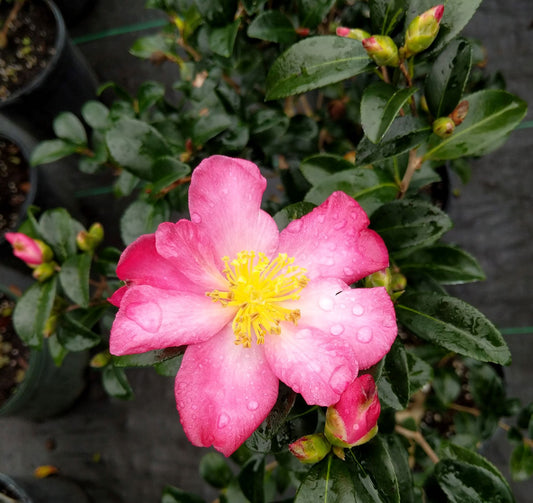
(353, 419)
(382, 50)
(423, 30)
(311, 448)
(32, 251)
(355, 33)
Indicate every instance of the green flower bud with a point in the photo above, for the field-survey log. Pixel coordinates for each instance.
(100, 360)
(311, 448)
(443, 127)
(382, 50)
(50, 325)
(44, 271)
(89, 240)
(379, 278)
(398, 282)
(355, 33)
(47, 253)
(423, 30)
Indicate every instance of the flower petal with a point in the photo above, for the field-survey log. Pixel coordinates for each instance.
(182, 243)
(225, 201)
(151, 318)
(313, 363)
(224, 392)
(333, 241)
(141, 264)
(364, 317)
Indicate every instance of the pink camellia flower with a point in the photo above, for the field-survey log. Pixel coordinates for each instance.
(25, 248)
(353, 419)
(254, 306)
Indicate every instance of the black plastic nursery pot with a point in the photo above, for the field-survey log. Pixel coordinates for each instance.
(64, 84)
(11, 491)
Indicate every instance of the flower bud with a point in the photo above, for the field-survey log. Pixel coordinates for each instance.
(423, 30)
(311, 448)
(89, 240)
(355, 33)
(379, 278)
(50, 325)
(32, 251)
(382, 50)
(443, 127)
(44, 271)
(459, 113)
(100, 360)
(398, 282)
(353, 419)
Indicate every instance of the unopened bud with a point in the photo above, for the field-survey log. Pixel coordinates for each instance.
(50, 325)
(459, 113)
(100, 360)
(89, 240)
(355, 33)
(32, 251)
(302, 31)
(44, 271)
(423, 30)
(311, 448)
(443, 127)
(353, 419)
(398, 282)
(382, 50)
(379, 278)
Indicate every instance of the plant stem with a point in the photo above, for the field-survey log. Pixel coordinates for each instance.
(420, 440)
(413, 165)
(10, 18)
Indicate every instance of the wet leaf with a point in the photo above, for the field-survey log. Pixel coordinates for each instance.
(274, 26)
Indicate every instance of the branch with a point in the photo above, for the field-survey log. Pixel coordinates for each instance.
(413, 165)
(417, 437)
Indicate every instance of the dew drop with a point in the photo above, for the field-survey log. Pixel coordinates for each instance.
(147, 315)
(358, 309)
(321, 218)
(364, 335)
(348, 271)
(223, 420)
(196, 218)
(339, 379)
(355, 427)
(339, 225)
(337, 329)
(326, 304)
(327, 261)
(252, 405)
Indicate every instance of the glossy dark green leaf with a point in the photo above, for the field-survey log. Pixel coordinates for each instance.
(292, 212)
(149, 93)
(319, 167)
(217, 12)
(313, 12)
(116, 383)
(52, 150)
(215, 470)
(148, 359)
(59, 230)
(446, 264)
(487, 389)
(209, 126)
(33, 310)
(446, 385)
(420, 372)
(96, 114)
(386, 14)
(393, 386)
(268, 125)
(404, 134)
(58, 352)
(174, 495)
(251, 480)
(167, 170)
(274, 26)
(74, 278)
(141, 217)
(521, 463)
(407, 225)
(447, 77)
(400, 459)
(452, 324)
(74, 335)
(370, 188)
(69, 128)
(329, 481)
(252, 6)
(315, 62)
(380, 105)
(492, 115)
(145, 47)
(222, 39)
(135, 145)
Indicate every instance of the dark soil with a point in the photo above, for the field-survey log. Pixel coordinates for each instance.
(14, 184)
(30, 46)
(14, 354)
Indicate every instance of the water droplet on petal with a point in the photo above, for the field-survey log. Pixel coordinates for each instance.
(196, 218)
(223, 420)
(326, 261)
(358, 310)
(339, 379)
(252, 405)
(339, 225)
(355, 427)
(320, 218)
(348, 271)
(337, 329)
(364, 335)
(326, 303)
(147, 315)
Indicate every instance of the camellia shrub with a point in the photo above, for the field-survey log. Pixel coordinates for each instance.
(285, 253)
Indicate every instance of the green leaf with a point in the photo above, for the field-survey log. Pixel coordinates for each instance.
(315, 62)
(319, 167)
(407, 225)
(116, 383)
(135, 145)
(59, 230)
(148, 359)
(251, 480)
(313, 12)
(125, 184)
(68, 127)
(209, 126)
(487, 390)
(222, 39)
(329, 481)
(144, 47)
(492, 115)
(448, 265)
(174, 495)
(217, 12)
(74, 335)
(420, 373)
(393, 385)
(447, 385)
(52, 150)
(215, 470)
(370, 188)
(33, 310)
(57, 351)
(149, 93)
(452, 324)
(74, 278)
(96, 114)
(167, 170)
(142, 217)
(292, 212)
(380, 104)
(400, 460)
(521, 463)
(447, 77)
(273, 26)
(385, 15)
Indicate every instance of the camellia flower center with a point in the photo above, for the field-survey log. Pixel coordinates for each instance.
(258, 287)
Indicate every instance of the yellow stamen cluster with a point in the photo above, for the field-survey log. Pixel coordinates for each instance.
(258, 287)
